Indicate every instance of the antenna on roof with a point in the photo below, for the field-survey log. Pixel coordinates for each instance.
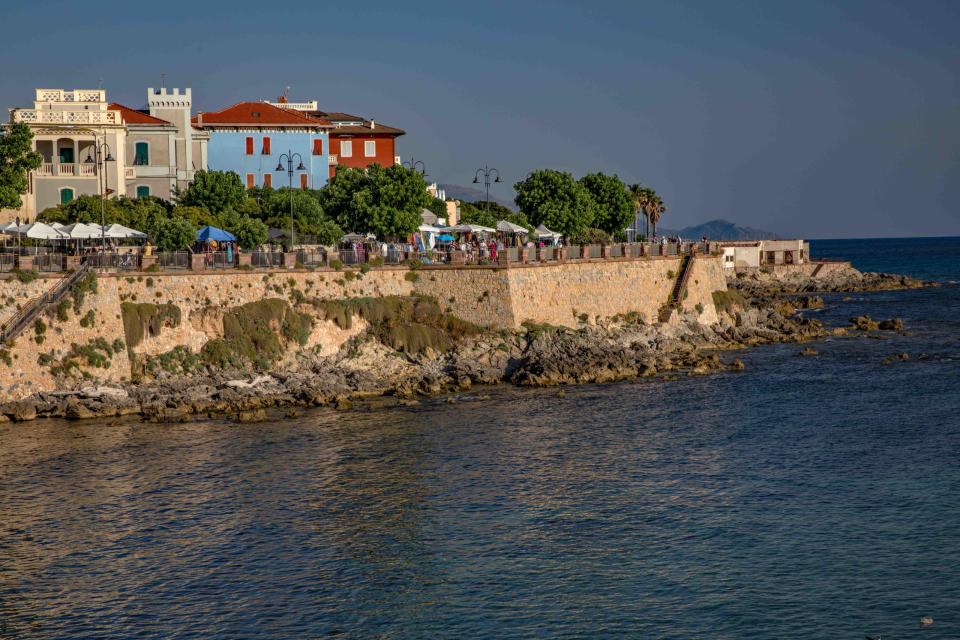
(163, 81)
(286, 92)
(100, 83)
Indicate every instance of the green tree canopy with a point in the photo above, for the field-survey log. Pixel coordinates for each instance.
(385, 201)
(476, 213)
(556, 200)
(173, 234)
(250, 232)
(438, 207)
(199, 217)
(17, 157)
(614, 206)
(215, 191)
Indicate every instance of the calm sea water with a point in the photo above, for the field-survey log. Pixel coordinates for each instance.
(802, 498)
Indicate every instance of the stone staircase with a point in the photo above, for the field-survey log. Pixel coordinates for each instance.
(28, 314)
(817, 270)
(679, 287)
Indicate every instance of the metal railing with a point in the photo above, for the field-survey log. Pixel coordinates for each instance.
(173, 259)
(259, 259)
(311, 257)
(353, 256)
(7, 261)
(219, 259)
(50, 262)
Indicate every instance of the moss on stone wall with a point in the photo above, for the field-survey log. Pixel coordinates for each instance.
(146, 319)
(257, 332)
(727, 300)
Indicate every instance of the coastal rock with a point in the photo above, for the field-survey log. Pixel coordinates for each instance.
(863, 323)
(809, 351)
(894, 324)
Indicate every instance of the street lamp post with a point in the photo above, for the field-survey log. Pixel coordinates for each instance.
(487, 172)
(289, 155)
(412, 164)
(100, 156)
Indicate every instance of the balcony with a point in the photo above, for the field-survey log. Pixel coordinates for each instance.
(77, 95)
(50, 169)
(333, 159)
(33, 116)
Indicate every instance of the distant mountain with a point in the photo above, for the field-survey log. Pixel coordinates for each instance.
(473, 194)
(720, 230)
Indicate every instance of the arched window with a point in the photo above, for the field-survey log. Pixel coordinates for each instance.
(66, 195)
(141, 154)
(143, 191)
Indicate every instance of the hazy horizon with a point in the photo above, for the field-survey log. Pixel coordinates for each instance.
(810, 119)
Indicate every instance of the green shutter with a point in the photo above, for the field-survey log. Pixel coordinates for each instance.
(143, 191)
(66, 195)
(141, 154)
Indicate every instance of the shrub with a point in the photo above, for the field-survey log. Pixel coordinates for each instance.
(411, 276)
(336, 265)
(25, 277)
(365, 267)
(699, 308)
(727, 300)
(87, 320)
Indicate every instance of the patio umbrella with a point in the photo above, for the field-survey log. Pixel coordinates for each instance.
(120, 231)
(445, 238)
(471, 228)
(81, 231)
(35, 230)
(212, 233)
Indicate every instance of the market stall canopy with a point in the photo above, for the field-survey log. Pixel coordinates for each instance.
(509, 227)
(213, 233)
(542, 232)
(429, 228)
(119, 231)
(81, 231)
(470, 228)
(35, 230)
(357, 236)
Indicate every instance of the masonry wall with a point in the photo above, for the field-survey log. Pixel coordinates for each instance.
(495, 297)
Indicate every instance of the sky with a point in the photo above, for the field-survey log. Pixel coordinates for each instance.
(808, 118)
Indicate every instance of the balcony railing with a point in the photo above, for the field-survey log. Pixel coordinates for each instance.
(333, 159)
(77, 95)
(33, 116)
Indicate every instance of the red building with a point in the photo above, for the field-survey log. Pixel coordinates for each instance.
(357, 142)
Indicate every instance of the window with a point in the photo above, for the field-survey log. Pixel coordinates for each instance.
(250, 182)
(370, 148)
(66, 194)
(346, 148)
(303, 181)
(318, 147)
(268, 180)
(266, 145)
(141, 155)
(143, 191)
(250, 146)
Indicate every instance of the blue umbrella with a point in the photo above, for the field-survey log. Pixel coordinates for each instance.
(445, 238)
(212, 233)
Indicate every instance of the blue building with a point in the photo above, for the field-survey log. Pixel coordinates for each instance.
(250, 137)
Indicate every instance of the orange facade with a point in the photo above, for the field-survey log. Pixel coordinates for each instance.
(384, 150)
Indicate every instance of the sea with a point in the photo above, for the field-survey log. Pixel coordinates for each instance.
(804, 497)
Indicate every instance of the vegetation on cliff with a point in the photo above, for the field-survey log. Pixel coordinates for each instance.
(257, 332)
(147, 320)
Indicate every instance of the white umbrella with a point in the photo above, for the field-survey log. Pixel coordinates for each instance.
(470, 228)
(120, 231)
(429, 228)
(9, 228)
(81, 231)
(509, 227)
(542, 232)
(35, 230)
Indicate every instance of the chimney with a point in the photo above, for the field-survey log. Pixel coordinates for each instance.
(199, 118)
(282, 100)
(373, 125)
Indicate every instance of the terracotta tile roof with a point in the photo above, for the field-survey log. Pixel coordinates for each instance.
(339, 116)
(132, 116)
(259, 114)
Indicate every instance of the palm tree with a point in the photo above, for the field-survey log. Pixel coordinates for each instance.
(654, 208)
(639, 196)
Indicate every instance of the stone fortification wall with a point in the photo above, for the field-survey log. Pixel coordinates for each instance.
(26, 372)
(496, 297)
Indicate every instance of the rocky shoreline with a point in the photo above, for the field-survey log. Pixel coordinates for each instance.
(752, 312)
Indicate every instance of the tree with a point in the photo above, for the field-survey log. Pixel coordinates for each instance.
(199, 217)
(638, 195)
(614, 210)
(438, 207)
(250, 232)
(17, 157)
(473, 214)
(556, 200)
(307, 213)
(215, 191)
(173, 234)
(654, 208)
(385, 201)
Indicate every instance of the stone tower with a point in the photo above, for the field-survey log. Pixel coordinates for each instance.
(188, 149)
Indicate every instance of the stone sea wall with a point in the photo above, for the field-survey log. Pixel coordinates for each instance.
(560, 294)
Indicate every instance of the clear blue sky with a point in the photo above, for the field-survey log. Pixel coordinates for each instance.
(823, 119)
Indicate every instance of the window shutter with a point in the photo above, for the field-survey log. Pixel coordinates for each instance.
(143, 191)
(303, 181)
(266, 146)
(250, 182)
(250, 146)
(268, 180)
(318, 147)
(370, 148)
(346, 148)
